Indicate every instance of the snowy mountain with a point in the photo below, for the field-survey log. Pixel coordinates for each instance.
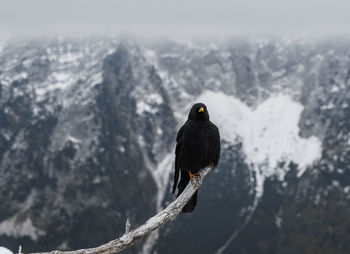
(88, 127)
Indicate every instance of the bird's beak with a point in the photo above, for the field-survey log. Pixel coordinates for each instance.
(201, 109)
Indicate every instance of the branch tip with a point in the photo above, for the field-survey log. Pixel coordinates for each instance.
(127, 226)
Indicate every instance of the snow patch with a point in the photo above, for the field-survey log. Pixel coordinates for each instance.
(334, 89)
(60, 76)
(73, 140)
(161, 177)
(18, 228)
(3, 250)
(19, 224)
(8, 80)
(142, 107)
(57, 81)
(269, 133)
(69, 58)
(150, 104)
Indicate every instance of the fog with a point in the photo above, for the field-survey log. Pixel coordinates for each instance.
(175, 18)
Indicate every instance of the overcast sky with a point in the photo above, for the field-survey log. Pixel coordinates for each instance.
(180, 17)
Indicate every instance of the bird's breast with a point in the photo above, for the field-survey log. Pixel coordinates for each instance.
(195, 148)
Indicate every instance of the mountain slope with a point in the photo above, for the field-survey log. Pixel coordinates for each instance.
(87, 132)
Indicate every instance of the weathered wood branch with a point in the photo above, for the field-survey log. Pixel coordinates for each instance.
(131, 237)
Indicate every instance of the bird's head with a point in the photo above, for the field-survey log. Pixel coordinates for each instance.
(199, 112)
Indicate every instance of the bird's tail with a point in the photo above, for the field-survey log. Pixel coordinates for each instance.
(191, 204)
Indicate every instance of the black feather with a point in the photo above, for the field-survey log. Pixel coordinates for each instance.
(198, 145)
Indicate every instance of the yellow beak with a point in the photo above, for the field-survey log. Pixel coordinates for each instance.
(201, 109)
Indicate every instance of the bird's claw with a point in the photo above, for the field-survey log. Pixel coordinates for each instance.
(195, 179)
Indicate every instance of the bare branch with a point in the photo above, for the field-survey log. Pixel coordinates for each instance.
(127, 226)
(133, 236)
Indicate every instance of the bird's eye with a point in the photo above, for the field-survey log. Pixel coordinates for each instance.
(201, 109)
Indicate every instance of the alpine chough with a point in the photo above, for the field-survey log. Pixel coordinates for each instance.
(197, 146)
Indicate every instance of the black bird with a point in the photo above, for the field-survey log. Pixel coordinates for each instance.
(197, 146)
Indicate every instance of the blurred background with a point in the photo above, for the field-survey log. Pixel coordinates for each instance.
(92, 94)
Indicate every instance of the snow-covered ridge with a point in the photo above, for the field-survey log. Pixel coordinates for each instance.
(269, 133)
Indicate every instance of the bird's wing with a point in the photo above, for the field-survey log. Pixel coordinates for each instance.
(216, 145)
(217, 157)
(177, 157)
(179, 133)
